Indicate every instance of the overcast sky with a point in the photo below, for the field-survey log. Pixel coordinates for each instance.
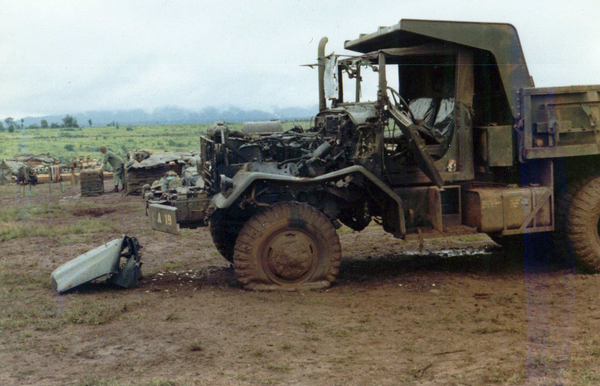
(68, 56)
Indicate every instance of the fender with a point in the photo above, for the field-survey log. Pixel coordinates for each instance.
(242, 181)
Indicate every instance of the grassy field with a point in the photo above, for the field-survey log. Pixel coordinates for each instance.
(83, 141)
(86, 140)
(397, 315)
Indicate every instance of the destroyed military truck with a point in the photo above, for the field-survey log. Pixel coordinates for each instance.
(454, 133)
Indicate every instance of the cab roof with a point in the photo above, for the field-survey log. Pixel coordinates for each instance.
(499, 39)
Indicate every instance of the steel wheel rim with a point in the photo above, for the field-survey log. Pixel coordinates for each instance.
(290, 256)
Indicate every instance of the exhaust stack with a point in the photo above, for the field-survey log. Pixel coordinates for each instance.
(321, 56)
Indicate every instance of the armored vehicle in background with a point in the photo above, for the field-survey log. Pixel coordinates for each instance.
(455, 134)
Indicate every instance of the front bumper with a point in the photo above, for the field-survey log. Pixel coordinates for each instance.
(163, 218)
(182, 212)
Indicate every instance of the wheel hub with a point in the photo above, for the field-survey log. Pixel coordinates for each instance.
(290, 255)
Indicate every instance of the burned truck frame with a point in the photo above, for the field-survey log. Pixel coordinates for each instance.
(456, 136)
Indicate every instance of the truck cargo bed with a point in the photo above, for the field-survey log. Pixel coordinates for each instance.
(560, 121)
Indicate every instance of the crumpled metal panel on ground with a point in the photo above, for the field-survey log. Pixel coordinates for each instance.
(119, 258)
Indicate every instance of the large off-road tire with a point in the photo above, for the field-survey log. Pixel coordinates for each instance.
(224, 236)
(287, 246)
(578, 222)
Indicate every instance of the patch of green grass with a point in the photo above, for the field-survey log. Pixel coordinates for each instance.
(172, 266)
(24, 308)
(279, 368)
(61, 347)
(84, 226)
(592, 347)
(25, 372)
(594, 351)
(30, 211)
(134, 316)
(587, 377)
(91, 313)
(23, 281)
(32, 193)
(96, 381)
(516, 378)
(52, 210)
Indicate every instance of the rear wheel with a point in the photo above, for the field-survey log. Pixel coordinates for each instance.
(287, 246)
(578, 222)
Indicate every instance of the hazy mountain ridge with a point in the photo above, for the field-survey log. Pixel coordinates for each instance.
(176, 115)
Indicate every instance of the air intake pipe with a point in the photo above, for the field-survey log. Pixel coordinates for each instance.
(322, 101)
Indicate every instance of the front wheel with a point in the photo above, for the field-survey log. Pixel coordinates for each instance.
(287, 246)
(578, 222)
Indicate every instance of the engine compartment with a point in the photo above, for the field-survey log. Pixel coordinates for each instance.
(338, 139)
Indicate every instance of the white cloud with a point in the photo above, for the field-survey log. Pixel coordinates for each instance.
(72, 55)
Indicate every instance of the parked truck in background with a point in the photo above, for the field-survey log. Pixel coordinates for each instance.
(455, 134)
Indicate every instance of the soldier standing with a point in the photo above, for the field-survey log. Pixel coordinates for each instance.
(117, 164)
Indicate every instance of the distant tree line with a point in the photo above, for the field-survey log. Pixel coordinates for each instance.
(67, 122)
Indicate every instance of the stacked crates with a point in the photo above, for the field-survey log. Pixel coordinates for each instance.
(91, 182)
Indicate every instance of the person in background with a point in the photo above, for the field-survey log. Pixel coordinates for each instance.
(117, 164)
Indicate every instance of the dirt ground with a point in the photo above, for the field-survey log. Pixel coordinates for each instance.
(399, 314)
